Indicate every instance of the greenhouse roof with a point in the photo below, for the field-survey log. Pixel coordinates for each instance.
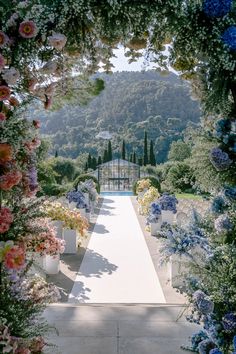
(119, 162)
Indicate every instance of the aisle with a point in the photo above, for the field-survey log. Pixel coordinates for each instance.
(117, 267)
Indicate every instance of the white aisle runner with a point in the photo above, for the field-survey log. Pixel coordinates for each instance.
(117, 267)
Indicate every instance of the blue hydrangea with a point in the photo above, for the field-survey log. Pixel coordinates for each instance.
(78, 198)
(168, 202)
(229, 322)
(152, 218)
(229, 37)
(199, 295)
(220, 159)
(205, 306)
(216, 8)
(230, 193)
(223, 223)
(215, 351)
(234, 342)
(205, 346)
(197, 338)
(155, 209)
(218, 204)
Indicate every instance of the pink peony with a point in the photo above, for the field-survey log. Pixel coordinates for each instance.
(2, 117)
(28, 29)
(4, 93)
(57, 41)
(3, 39)
(14, 258)
(10, 179)
(6, 218)
(2, 62)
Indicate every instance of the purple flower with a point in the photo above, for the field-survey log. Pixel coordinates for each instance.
(155, 209)
(197, 338)
(229, 37)
(229, 322)
(199, 295)
(33, 180)
(78, 198)
(220, 159)
(216, 8)
(223, 223)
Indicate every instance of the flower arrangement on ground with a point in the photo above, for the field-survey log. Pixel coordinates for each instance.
(147, 198)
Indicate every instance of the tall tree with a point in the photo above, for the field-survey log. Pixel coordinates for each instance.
(109, 150)
(89, 161)
(56, 154)
(131, 157)
(145, 150)
(134, 157)
(152, 158)
(140, 161)
(94, 163)
(105, 156)
(123, 153)
(99, 160)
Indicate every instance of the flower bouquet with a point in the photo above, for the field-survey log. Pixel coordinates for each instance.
(168, 204)
(149, 196)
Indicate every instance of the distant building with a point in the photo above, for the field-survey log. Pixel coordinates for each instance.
(117, 174)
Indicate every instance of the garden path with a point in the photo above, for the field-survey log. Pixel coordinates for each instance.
(117, 267)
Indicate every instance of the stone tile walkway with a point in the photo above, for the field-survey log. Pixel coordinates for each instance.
(88, 329)
(117, 266)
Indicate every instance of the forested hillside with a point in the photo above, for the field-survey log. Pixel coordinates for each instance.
(130, 103)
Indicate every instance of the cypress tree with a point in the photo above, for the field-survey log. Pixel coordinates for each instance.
(105, 156)
(109, 150)
(99, 160)
(145, 150)
(56, 154)
(152, 158)
(94, 163)
(134, 157)
(131, 157)
(89, 161)
(140, 161)
(86, 167)
(123, 153)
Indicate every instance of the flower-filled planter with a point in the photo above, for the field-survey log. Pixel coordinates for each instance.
(37, 258)
(179, 268)
(71, 239)
(168, 204)
(155, 227)
(155, 219)
(58, 225)
(52, 264)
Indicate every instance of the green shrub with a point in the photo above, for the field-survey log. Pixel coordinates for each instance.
(154, 183)
(54, 190)
(83, 178)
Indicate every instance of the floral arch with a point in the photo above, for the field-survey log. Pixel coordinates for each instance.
(42, 43)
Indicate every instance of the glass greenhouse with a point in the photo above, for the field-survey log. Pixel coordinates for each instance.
(118, 175)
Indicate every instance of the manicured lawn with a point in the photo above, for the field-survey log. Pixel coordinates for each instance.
(188, 196)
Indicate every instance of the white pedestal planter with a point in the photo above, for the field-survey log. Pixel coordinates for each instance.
(52, 264)
(71, 239)
(155, 227)
(167, 216)
(58, 226)
(178, 270)
(86, 198)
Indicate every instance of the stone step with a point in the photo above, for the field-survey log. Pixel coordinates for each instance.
(99, 329)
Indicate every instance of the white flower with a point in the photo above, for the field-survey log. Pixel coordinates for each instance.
(57, 41)
(11, 76)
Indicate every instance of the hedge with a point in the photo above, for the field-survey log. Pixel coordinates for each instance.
(83, 178)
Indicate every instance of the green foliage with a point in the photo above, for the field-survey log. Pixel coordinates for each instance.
(178, 178)
(109, 150)
(54, 189)
(179, 151)
(83, 178)
(121, 109)
(152, 158)
(65, 169)
(123, 150)
(154, 183)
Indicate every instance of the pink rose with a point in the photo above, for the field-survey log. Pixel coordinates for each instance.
(28, 29)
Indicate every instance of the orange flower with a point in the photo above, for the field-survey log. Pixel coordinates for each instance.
(5, 153)
(4, 93)
(13, 101)
(14, 258)
(10, 179)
